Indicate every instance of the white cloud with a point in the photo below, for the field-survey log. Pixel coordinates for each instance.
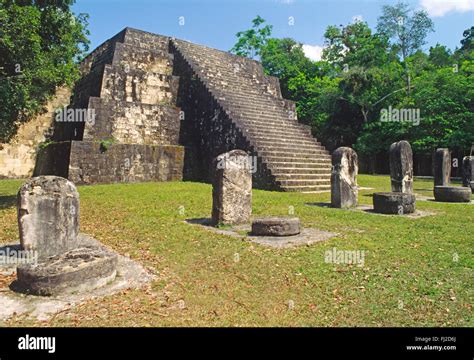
(286, 2)
(438, 8)
(313, 52)
(357, 18)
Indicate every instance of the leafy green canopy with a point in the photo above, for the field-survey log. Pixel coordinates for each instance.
(362, 74)
(40, 44)
(251, 41)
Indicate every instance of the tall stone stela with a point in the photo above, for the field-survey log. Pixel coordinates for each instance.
(232, 189)
(48, 215)
(401, 167)
(344, 178)
(442, 167)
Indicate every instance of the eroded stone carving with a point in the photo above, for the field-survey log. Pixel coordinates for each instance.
(48, 215)
(442, 167)
(344, 178)
(232, 189)
(401, 167)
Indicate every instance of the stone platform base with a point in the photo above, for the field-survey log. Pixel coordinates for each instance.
(130, 275)
(395, 203)
(88, 162)
(452, 194)
(276, 226)
(79, 270)
(369, 209)
(306, 237)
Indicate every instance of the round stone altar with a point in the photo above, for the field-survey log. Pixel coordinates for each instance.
(452, 194)
(396, 203)
(276, 226)
(78, 270)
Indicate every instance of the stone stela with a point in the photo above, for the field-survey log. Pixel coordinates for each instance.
(401, 167)
(442, 190)
(345, 167)
(401, 200)
(232, 189)
(442, 167)
(48, 220)
(468, 172)
(48, 215)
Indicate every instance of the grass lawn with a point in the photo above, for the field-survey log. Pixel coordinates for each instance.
(417, 272)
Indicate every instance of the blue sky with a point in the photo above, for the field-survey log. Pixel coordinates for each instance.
(214, 23)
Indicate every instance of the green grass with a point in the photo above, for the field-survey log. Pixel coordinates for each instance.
(410, 277)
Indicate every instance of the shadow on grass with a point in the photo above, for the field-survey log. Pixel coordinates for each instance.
(320, 204)
(200, 221)
(7, 201)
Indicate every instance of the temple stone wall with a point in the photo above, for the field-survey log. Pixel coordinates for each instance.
(18, 157)
(128, 87)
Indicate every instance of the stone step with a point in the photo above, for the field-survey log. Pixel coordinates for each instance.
(266, 98)
(304, 182)
(266, 128)
(215, 74)
(266, 119)
(272, 146)
(233, 86)
(284, 171)
(307, 188)
(278, 165)
(315, 150)
(273, 121)
(258, 110)
(297, 142)
(290, 155)
(300, 142)
(310, 176)
(275, 133)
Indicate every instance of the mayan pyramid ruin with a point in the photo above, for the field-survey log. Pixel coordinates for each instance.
(164, 108)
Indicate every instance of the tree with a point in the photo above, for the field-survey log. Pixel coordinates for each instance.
(445, 99)
(440, 56)
(301, 80)
(40, 43)
(355, 45)
(468, 41)
(250, 42)
(407, 29)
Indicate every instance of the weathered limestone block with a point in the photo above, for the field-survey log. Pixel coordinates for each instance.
(396, 203)
(442, 167)
(78, 270)
(48, 215)
(344, 178)
(276, 226)
(232, 189)
(468, 172)
(401, 167)
(452, 194)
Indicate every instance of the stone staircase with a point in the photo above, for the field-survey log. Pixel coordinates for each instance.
(296, 160)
